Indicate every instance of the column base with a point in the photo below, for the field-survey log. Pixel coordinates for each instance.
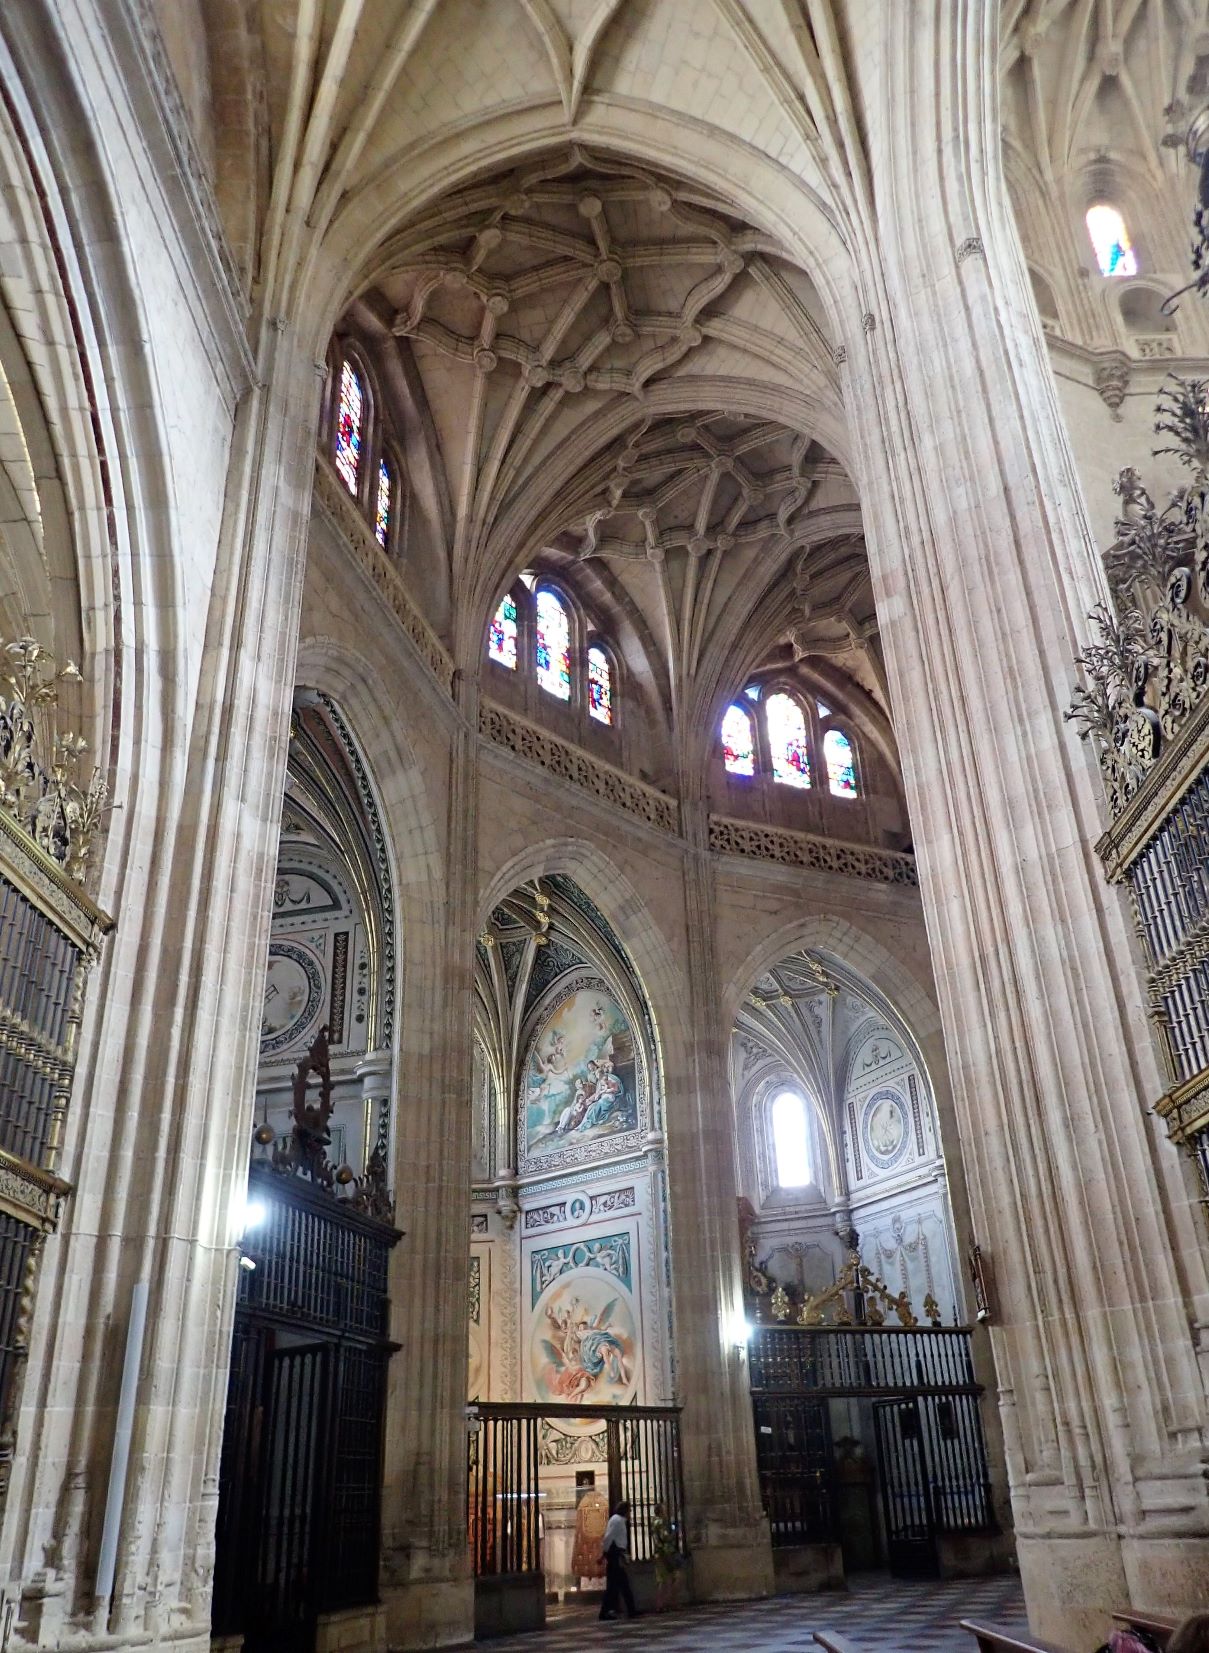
(1071, 1585)
(1169, 1574)
(429, 1613)
(733, 1564)
(356, 1630)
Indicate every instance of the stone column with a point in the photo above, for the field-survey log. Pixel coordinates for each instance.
(983, 570)
(159, 1130)
(728, 1530)
(427, 1587)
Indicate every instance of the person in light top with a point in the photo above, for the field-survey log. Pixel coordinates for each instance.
(614, 1549)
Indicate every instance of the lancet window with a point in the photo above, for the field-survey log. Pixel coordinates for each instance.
(784, 741)
(787, 741)
(791, 1144)
(738, 742)
(384, 504)
(552, 644)
(841, 768)
(501, 639)
(1110, 239)
(600, 685)
(350, 427)
(540, 632)
(358, 444)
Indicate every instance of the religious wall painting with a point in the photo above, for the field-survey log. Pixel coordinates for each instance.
(582, 1077)
(583, 1336)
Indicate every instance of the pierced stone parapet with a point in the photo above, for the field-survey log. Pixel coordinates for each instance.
(559, 757)
(805, 849)
(342, 513)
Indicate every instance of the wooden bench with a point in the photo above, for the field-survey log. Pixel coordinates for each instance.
(991, 1640)
(1160, 1625)
(832, 1643)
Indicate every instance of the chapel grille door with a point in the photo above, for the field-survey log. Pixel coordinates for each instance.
(294, 1470)
(794, 1463)
(906, 1488)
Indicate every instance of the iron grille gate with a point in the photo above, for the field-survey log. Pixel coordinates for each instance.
(510, 1444)
(931, 1456)
(298, 1530)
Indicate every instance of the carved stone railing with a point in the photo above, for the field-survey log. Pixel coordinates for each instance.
(804, 849)
(559, 757)
(333, 500)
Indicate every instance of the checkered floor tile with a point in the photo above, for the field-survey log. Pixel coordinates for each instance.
(878, 1615)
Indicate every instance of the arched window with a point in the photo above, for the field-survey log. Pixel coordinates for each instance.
(738, 747)
(787, 740)
(790, 1142)
(384, 504)
(600, 685)
(841, 770)
(501, 639)
(552, 644)
(350, 427)
(1110, 238)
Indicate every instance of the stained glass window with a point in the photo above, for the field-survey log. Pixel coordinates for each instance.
(382, 510)
(824, 711)
(752, 691)
(787, 738)
(841, 771)
(553, 640)
(600, 686)
(738, 748)
(350, 418)
(789, 1140)
(1110, 238)
(501, 640)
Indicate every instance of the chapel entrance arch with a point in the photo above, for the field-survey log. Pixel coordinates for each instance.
(299, 1521)
(866, 1403)
(571, 1371)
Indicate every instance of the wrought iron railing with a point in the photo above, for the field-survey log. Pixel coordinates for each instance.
(933, 1460)
(862, 1360)
(316, 1258)
(506, 1456)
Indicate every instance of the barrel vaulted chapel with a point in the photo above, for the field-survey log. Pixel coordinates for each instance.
(604, 821)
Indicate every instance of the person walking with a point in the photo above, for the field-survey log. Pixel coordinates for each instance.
(614, 1550)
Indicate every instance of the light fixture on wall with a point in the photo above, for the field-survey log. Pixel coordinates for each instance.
(741, 1331)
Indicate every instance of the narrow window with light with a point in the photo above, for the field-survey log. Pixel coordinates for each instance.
(501, 639)
(552, 644)
(787, 741)
(841, 767)
(790, 1141)
(350, 431)
(384, 504)
(600, 685)
(738, 744)
(1110, 239)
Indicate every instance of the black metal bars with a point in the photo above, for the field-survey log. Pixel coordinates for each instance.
(505, 1460)
(861, 1360)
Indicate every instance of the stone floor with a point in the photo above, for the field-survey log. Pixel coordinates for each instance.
(879, 1615)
